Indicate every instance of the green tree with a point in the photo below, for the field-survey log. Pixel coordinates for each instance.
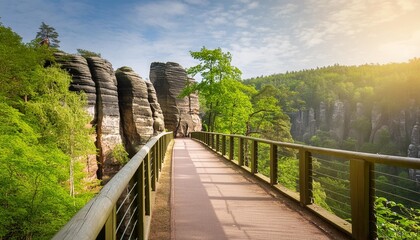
(44, 133)
(48, 35)
(86, 53)
(223, 95)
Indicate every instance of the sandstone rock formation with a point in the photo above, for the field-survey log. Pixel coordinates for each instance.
(158, 119)
(139, 109)
(107, 115)
(123, 112)
(82, 81)
(181, 114)
(78, 69)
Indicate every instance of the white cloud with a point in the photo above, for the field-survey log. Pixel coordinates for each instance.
(160, 13)
(240, 22)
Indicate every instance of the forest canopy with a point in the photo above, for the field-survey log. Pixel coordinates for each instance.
(43, 135)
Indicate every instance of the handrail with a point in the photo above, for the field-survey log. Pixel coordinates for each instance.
(98, 216)
(370, 157)
(360, 168)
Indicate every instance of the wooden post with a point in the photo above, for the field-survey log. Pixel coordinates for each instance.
(147, 192)
(361, 205)
(111, 225)
(141, 231)
(305, 177)
(217, 142)
(156, 162)
(152, 162)
(273, 164)
(223, 145)
(231, 147)
(241, 152)
(254, 157)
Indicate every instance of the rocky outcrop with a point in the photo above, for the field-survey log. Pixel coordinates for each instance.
(82, 81)
(356, 123)
(107, 115)
(138, 108)
(158, 119)
(181, 114)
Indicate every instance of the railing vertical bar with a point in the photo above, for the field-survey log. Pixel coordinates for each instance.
(147, 189)
(241, 152)
(254, 157)
(373, 231)
(223, 145)
(217, 143)
(159, 144)
(212, 140)
(156, 164)
(305, 177)
(231, 147)
(155, 174)
(273, 164)
(360, 198)
(111, 225)
(141, 233)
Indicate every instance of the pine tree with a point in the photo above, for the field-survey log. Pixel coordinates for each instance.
(47, 35)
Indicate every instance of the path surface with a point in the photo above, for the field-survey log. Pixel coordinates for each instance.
(212, 200)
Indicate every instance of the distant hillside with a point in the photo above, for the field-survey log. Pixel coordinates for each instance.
(372, 108)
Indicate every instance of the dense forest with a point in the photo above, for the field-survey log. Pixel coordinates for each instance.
(44, 138)
(369, 108)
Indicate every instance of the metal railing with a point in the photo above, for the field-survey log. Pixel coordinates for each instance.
(122, 209)
(349, 179)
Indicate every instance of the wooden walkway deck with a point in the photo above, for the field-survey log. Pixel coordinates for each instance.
(211, 199)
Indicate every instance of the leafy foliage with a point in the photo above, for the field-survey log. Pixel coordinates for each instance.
(395, 221)
(44, 134)
(231, 106)
(86, 53)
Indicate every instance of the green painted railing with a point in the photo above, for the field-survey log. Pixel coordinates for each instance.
(359, 169)
(122, 209)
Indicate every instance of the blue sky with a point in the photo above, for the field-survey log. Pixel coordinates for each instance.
(264, 36)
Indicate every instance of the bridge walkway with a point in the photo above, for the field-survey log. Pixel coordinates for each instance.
(212, 199)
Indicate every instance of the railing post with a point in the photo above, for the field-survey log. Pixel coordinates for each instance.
(241, 152)
(223, 145)
(154, 176)
(158, 156)
(361, 205)
(254, 157)
(231, 147)
(156, 163)
(217, 142)
(141, 203)
(111, 225)
(273, 164)
(147, 188)
(305, 177)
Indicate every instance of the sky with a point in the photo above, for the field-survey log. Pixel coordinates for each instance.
(264, 36)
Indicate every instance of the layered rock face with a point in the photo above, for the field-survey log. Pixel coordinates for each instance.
(123, 112)
(181, 114)
(364, 124)
(140, 112)
(82, 81)
(107, 115)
